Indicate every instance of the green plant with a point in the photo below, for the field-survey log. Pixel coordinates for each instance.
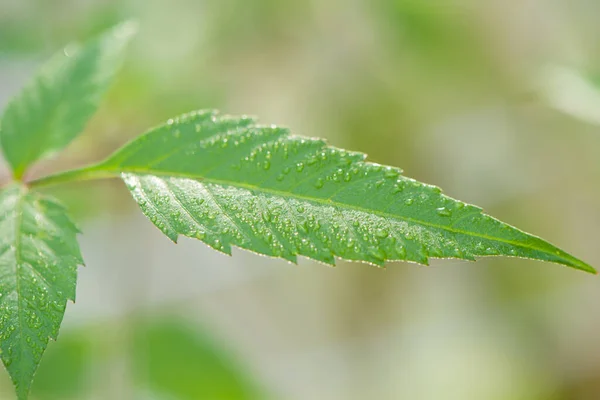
(225, 180)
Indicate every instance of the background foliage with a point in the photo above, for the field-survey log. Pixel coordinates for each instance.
(458, 94)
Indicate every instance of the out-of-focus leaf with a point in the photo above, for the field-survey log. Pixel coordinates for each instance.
(54, 108)
(178, 362)
(63, 373)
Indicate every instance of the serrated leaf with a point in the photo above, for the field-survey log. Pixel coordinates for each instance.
(228, 181)
(55, 106)
(39, 256)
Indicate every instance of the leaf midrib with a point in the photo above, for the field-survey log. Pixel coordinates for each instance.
(330, 202)
(18, 260)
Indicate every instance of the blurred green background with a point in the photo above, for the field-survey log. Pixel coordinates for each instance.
(494, 101)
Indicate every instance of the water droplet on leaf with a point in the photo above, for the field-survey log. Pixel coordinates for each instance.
(444, 212)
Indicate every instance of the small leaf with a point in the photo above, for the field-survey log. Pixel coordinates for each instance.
(228, 181)
(55, 106)
(39, 255)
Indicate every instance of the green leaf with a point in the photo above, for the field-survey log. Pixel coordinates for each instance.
(55, 106)
(178, 361)
(228, 181)
(39, 256)
(65, 372)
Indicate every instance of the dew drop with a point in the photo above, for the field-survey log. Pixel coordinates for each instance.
(381, 233)
(397, 188)
(377, 253)
(304, 226)
(409, 202)
(319, 184)
(267, 216)
(391, 173)
(444, 212)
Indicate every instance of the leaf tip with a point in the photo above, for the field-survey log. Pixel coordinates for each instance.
(588, 268)
(576, 263)
(567, 259)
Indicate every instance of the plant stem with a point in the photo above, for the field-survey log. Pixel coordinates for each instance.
(76, 175)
